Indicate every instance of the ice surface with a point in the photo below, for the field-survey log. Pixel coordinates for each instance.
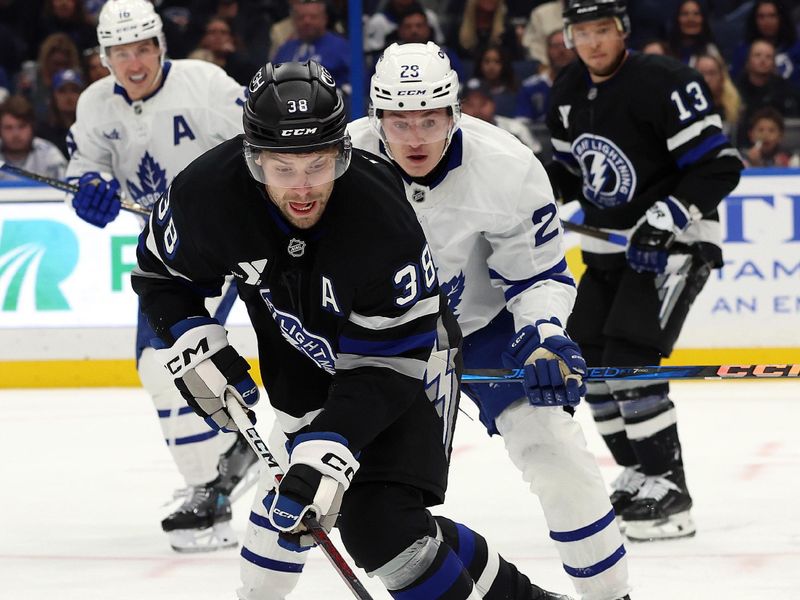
(85, 473)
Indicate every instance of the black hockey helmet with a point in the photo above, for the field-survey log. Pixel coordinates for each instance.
(580, 11)
(294, 107)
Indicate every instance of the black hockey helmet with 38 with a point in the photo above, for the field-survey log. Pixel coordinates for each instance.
(294, 107)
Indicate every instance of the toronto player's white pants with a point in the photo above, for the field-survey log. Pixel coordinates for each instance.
(548, 446)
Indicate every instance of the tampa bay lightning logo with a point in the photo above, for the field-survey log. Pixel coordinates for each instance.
(315, 347)
(452, 290)
(609, 178)
(152, 182)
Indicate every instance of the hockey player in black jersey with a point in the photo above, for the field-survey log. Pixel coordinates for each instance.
(638, 142)
(342, 293)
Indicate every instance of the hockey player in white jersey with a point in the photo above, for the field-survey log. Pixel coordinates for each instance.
(136, 129)
(487, 209)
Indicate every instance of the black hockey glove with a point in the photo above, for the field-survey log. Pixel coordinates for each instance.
(206, 368)
(321, 468)
(648, 248)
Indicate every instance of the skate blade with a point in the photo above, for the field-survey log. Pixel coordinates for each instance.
(679, 525)
(218, 537)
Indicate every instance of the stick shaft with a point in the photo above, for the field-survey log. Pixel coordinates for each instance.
(594, 232)
(320, 536)
(125, 202)
(650, 373)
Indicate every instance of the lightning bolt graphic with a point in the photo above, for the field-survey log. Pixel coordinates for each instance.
(598, 173)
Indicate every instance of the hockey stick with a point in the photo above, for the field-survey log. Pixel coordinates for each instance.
(594, 232)
(125, 202)
(317, 532)
(651, 373)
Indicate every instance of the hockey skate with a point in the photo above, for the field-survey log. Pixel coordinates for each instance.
(238, 469)
(661, 510)
(202, 523)
(625, 487)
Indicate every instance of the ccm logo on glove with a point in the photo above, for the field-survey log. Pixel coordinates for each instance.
(184, 359)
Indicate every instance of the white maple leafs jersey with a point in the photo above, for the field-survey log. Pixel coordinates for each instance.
(492, 225)
(144, 144)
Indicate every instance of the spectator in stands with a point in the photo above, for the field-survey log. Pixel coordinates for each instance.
(656, 46)
(690, 34)
(770, 20)
(282, 31)
(766, 140)
(477, 101)
(534, 94)
(315, 42)
(69, 17)
(19, 147)
(67, 86)
(725, 95)
(493, 68)
(544, 19)
(381, 24)
(248, 22)
(760, 86)
(218, 38)
(484, 24)
(413, 28)
(92, 65)
(57, 52)
(5, 85)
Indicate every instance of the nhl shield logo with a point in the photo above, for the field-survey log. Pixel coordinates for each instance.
(296, 247)
(418, 195)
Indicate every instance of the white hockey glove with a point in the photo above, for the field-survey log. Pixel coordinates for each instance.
(553, 365)
(205, 367)
(648, 249)
(321, 468)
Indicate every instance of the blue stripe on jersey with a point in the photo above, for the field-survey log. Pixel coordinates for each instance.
(565, 157)
(269, 563)
(386, 347)
(596, 569)
(184, 410)
(437, 584)
(466, 544)
(701, 150)
(584, 532)
(193, 439)
(555, 273)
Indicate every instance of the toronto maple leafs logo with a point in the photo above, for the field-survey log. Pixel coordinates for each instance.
(315, 347)
(152, 182)
(452, 290)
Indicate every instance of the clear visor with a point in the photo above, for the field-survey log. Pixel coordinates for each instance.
(294, 170)
(415, 128)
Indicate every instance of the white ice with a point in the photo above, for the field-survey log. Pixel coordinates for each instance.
(84, 475)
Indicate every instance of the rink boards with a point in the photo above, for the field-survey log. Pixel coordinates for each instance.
(65, 294)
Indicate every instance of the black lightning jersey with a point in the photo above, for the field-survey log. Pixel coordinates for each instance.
(347, 313)
(648, 132)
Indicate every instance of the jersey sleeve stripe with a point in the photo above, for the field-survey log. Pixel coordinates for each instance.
(687, 134)
(560, 267)
(423, 308)
(701, 150)
(393, 347)
(410, 367)
(561, 146)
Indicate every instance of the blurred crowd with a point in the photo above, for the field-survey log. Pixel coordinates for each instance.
(506, 52)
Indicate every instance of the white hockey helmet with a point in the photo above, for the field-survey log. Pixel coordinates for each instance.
(127, 21)
(413, 77)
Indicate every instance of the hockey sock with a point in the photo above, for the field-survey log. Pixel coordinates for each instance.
(651, 426)
(494, 577)
(610, 424)
(444, 579)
